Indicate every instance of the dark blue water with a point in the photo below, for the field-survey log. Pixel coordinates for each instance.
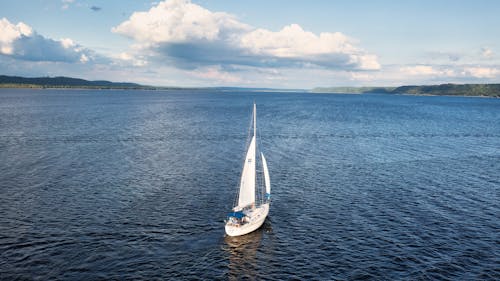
(102, 185)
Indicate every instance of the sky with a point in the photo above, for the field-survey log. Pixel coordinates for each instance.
(277, 44)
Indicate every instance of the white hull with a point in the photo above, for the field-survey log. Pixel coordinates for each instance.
(257, 218)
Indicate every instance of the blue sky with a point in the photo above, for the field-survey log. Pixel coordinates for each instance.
(282, 44)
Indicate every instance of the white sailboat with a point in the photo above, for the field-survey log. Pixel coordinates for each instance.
(249, 213)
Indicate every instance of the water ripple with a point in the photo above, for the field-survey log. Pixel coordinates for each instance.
(132, 185)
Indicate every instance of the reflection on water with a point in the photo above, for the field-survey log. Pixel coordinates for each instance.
(243, 252)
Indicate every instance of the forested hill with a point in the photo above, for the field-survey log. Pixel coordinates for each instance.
(491, 90)
(62, 82)
(486, 90)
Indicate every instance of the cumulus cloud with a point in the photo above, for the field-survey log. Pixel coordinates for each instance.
(179, 21)
(10, 33)
(292, 42)
(192, 36)
(19, 41)
(456, 71)
(419, 70)
(481, 72)
(427, 70)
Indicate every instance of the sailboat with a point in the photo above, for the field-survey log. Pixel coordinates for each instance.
(251, 208)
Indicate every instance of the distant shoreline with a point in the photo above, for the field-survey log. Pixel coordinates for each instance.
(77, 87)
(148, 88)
(61, 82)
(15, 82)
(467, 90)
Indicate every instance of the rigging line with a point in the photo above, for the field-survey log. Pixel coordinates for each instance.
(260, 187)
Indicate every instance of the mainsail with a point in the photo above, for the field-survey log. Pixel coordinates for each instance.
(247, 183)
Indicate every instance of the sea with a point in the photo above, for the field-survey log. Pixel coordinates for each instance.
(136, 185)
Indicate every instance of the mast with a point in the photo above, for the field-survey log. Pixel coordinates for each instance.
(254, 119)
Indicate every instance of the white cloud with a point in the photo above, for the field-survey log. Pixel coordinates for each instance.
(124, 56)
(178, 21)
(191, 36)
(293, 42)
(66, 3)
(21, 42)
(216, 74)
(419, 70)
(427, 70)
(84, 58)
(465, 73)
(481, 72)
(67, 43)
(363, 77)
(9, 33)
